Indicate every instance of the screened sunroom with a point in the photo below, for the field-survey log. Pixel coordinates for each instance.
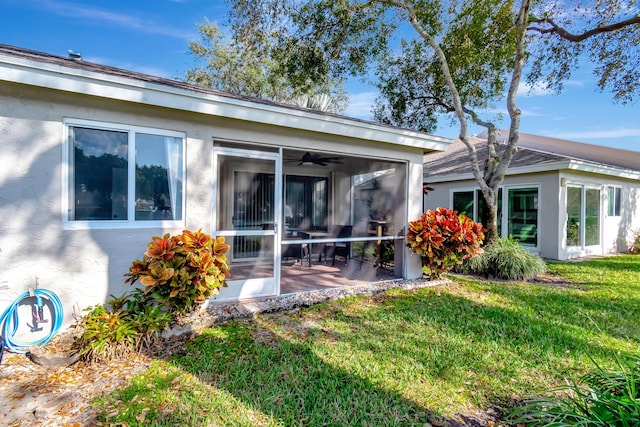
(301, 220)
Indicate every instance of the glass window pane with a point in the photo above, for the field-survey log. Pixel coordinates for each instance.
(463, 202)
(306, 202)
(611, 203)
(253, 200)
(99, 174)
(618, 201)
(592, 217)
(574, 215)
(523, 215)
(158, 177)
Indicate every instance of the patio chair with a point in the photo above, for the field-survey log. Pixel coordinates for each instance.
(343, 249)
(298, 251)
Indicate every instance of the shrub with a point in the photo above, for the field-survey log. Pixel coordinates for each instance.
(183, 270)
(599, 398)
(444, 238)
(124, 324)
(505, 259)
(634, 247)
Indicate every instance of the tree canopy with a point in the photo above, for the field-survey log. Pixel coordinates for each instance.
(458, 58)
(255, 67)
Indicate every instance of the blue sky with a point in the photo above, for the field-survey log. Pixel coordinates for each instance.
(152, 36)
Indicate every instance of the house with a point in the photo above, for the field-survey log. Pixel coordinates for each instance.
(561, 199)
(96, 160)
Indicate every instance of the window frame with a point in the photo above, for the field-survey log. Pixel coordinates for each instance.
(130, 222)
(507, 213)
(503, 213)
(613, 203)
(582, 237)
(478, 200)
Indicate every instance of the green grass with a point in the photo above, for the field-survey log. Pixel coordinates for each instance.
(401, 358)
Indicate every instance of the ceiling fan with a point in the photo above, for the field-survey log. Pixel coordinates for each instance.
(309, 159)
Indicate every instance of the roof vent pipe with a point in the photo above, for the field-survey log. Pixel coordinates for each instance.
(75, 55)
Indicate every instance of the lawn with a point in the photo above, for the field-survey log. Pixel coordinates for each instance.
(400, 358)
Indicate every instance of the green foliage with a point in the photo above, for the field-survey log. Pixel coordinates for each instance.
(600, 398)
(399, 358)
(122, 325)
(505, 259)
(444, 239)
(252, 65)
(177, 273)
(634, 248)
(607, 32)
(183, 270)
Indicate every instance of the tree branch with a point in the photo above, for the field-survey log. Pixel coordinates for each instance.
(565, 34)
(455, 95)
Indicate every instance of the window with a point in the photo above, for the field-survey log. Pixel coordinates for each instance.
(583, 216)
(306, 202)
(121, 176)
(522, 220)
(466, 202)
(522, 214)
(614, 199)
(463, 202)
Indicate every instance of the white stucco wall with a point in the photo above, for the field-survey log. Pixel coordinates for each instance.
(547, 184)
(84, 267)
(615, 232)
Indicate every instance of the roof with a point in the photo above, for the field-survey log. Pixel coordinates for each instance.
(18, 65)
(535, 154)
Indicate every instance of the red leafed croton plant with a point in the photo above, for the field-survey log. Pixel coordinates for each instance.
(443, 238)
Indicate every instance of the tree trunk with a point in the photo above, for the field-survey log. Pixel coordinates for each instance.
(491, 225)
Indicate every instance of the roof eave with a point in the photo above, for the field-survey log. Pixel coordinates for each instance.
(574, 165)
(34, 73)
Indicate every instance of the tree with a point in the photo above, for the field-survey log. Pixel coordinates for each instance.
(457, 58)
(251, 67)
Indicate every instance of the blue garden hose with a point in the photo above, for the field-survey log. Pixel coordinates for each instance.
(9, 321)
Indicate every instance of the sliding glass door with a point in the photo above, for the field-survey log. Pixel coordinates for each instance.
(583, 216)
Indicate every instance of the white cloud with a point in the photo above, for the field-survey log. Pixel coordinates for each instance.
(599, 134)
(80, 11)
(360, 105)
(538, 89)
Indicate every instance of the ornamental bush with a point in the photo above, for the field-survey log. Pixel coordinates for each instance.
(183, 270)
(444, 238)
(599, 398)
(504, 259)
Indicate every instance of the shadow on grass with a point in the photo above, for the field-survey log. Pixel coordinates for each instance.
(401, 358)
(245, 373)
(530, 340)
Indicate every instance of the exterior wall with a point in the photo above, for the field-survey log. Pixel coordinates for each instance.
(84, 267)
(548, 215)
(615, 231)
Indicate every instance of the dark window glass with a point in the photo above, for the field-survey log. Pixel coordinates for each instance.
(463, 202)
(99, 174)
(523, 215)
(306, 202)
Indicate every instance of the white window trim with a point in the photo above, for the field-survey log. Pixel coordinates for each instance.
(131, 222)
(504, 225)
(619, 188)
(506, 213)
(474, 214)
(583, 211)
